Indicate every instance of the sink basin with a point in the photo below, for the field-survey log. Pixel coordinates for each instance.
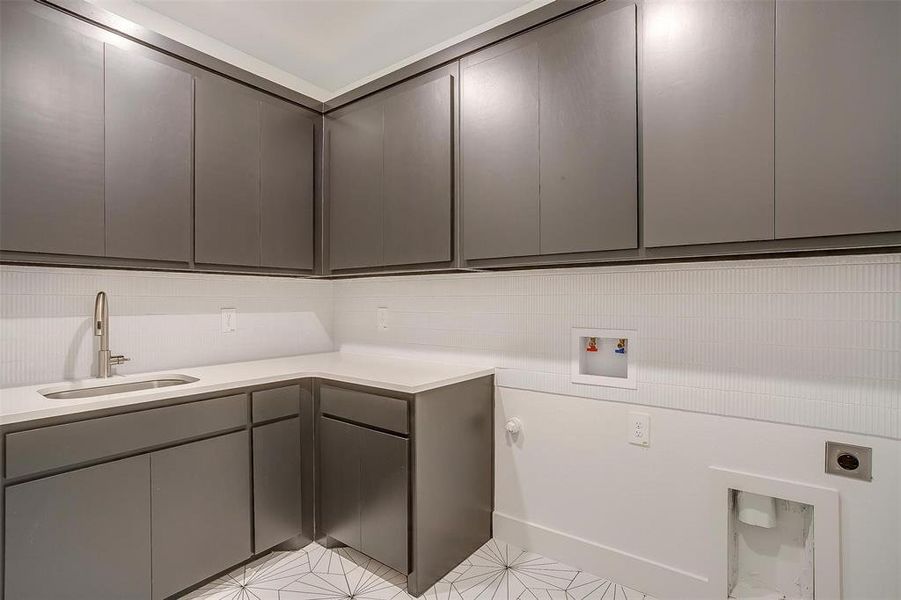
(118, 387)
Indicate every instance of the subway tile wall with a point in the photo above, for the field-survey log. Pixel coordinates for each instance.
(806, 341)
(159, 320)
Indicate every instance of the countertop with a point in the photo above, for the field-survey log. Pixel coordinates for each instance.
(26, 403)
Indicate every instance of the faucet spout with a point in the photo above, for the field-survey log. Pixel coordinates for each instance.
(101, 320)
(105, 361)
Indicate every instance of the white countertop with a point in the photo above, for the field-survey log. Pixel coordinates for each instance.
(25, 403)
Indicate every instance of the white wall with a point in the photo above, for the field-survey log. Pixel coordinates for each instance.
(641, 516)
(807, 341)
(726, 350)
(159, 320)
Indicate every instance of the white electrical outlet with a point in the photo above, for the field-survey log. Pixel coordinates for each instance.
(639, 429)
(381, 318)
(228, 318)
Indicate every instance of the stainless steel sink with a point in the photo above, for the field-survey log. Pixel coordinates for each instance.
(120, 387)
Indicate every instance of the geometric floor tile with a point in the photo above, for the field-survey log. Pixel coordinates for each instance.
(496, 571)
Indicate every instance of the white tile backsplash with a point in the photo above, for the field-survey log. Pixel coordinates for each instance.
(159, 320)
(807, 341)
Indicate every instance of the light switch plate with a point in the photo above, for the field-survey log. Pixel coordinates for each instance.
(228, 320)
(639, 429)
(381, 318)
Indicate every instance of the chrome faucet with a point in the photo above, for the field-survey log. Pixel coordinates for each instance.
(101, 330)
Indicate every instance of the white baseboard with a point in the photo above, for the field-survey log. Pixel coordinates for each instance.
(661, 581)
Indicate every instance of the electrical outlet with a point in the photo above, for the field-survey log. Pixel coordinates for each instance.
(381, 318)
(639, 429)
(228, 320)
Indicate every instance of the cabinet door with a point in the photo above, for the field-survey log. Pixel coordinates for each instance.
(589, 135)
(227, 173)
(51, 135)
(276, 483)
(149, 119)
(286, 187)
(418, 171)
(84, 534)
(340, 480)
(499, 148)
(201, 510)
(355, 188)
(707, 121)
(384, 493)
(838, 117)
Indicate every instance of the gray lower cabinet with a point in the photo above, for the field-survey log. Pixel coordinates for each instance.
(82, 534)
(201, 510)
(51, 134)
(148, 179)
(391, 170)
(276, 483)
(549, 139)
(339, 480)
(838, 117)
(384, 498)
(707, 121)
(364, 490)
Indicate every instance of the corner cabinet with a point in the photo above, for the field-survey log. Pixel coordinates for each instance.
(115, 154)
(254, 181)
(572, 85)
(391, 176)
(406, 478)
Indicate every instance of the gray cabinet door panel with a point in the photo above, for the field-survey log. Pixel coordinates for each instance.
(418, 174)
(707, 121)
(201, 510)
(286, 187)
(339, 448)
(83, 534)
(149, 119)
(384, 493)
(276, 483)
(227, 174)
(499, 145)
(355, 188)
(838, 117)
(51, 135)
(589, 165)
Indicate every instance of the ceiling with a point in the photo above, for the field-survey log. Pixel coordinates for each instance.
(319, 47)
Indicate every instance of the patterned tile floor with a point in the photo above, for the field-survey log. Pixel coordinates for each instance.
(496, 571)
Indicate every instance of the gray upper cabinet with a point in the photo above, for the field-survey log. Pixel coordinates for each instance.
(499, 152)
(201, 511)
(838, 117)
(83, 534)
(391, 171)
(707, 121)
(149, 121)
(418, 174)
(227, 173)
(549, 139)
(286, 186)
(51, 135)
(588, 150)
(355, 188)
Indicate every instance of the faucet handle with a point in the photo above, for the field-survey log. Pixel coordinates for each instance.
(118, 359)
